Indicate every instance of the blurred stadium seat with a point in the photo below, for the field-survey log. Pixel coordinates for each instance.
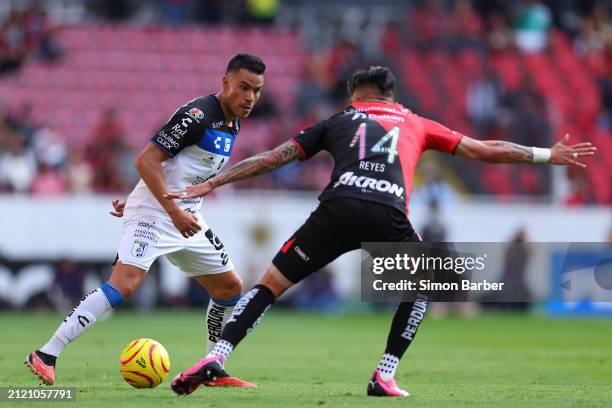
(148, 69)
(143, 71)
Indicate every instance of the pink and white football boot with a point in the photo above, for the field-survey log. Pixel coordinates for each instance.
(377, 387)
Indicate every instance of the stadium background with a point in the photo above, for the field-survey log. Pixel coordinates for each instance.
(85, 84)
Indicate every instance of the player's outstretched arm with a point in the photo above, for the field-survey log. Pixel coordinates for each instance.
(499, 151)
(247, 168)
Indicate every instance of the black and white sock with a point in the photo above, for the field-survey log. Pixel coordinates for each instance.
(247, 313)
(217, 314)
(223, 348)
(387, 366)
(404, 327)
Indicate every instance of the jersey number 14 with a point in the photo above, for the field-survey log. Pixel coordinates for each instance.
(386, 144)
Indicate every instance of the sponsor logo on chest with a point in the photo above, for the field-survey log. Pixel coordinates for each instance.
(217, 142)
(369, 183)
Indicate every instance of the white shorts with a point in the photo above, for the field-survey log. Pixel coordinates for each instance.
(145, 238)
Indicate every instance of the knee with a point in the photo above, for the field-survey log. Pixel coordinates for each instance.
(275, 281)
(127, 288)
(126, 281)
(230, 289)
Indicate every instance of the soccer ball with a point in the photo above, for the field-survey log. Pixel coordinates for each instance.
(144, 363)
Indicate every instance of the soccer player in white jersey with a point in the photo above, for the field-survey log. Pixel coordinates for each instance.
(191, 148)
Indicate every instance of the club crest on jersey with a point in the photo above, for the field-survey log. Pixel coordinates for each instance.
(139, 248)
(208, 159)
(196, 113)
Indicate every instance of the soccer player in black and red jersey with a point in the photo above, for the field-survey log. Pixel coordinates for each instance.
(376, 144)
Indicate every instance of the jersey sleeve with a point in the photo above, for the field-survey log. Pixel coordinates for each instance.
(183, 129)
(310, 140)
(439, 137)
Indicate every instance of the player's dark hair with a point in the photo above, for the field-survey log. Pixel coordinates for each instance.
(246, 61)
(379, 76)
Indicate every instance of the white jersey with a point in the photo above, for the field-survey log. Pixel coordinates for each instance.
(199, 144)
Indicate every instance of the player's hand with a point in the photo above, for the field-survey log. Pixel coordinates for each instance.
(186, 223)
(119, 206)
(563, 153)
(199, 190)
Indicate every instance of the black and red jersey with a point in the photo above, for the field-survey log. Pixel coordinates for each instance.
(375, 147)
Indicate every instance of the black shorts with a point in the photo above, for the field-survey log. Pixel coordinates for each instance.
(337, 226)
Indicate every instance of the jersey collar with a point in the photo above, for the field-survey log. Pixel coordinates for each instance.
(235, 123)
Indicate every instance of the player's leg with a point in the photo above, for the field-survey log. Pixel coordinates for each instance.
(314, 245)
(123, 282)
(247, 313)
(224, 290)
(407, 317)
(206, 259)
(404, 326)
(143, 240)
(250, 310)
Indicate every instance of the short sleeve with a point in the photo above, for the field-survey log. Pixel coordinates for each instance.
(439, 137)
(310, 140)
(183, 129)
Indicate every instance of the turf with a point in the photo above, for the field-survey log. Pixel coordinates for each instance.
(306, 360)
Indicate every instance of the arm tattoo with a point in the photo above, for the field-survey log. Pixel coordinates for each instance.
(507, 152)
(259, 164)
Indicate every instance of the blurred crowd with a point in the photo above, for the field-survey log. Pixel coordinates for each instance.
(179, 12)
(34, 158)
(525, 110)
(26, 34)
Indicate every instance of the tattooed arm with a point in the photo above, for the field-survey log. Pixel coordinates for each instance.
(260, 164)
(247, 168)
(498, 151)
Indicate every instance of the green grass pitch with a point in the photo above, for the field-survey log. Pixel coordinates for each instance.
(313, 360)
